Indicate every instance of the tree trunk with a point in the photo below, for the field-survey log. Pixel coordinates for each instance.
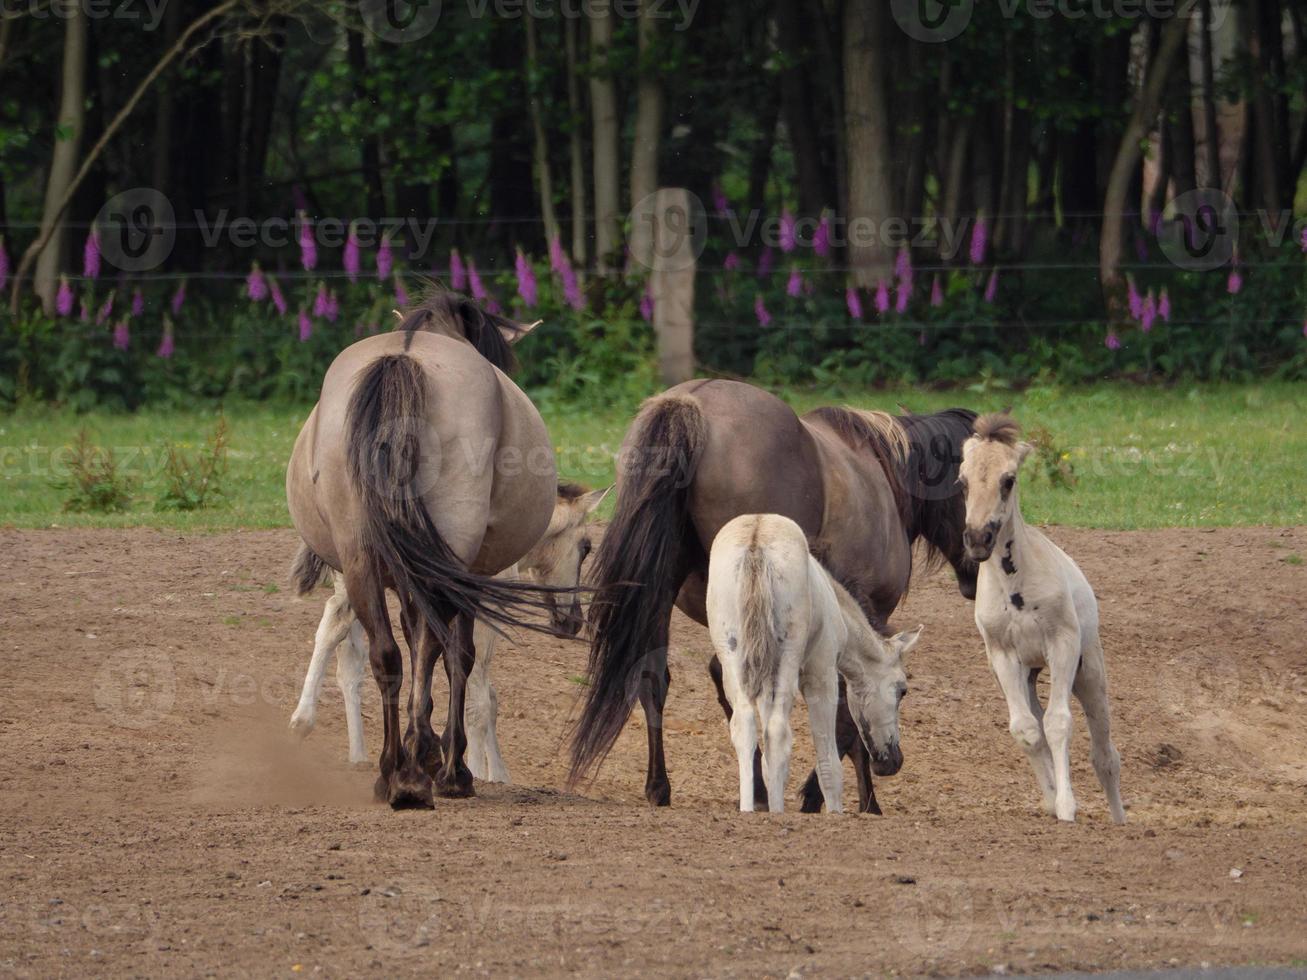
(830, 55)
(760, 158)
(797, 106)
(543, 176)
(576, 125)
(1211, 132)
(1126, 164)
(1179, 146)
(60, 187)
(644, 149)
(607, 162)
(369, 147)
(165, 108)
(867, 123)
(1270, 132)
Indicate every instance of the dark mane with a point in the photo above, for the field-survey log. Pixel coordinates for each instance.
(571, 491)
(461, 314)
(934, 455)
(857, 432)
(998, 427)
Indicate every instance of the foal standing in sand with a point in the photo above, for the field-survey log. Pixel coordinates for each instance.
(781, 624)
(1035, 609)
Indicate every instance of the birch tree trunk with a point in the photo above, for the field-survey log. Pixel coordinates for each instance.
(63, 164)
(867, 123)
(574, 109)
(603, 107)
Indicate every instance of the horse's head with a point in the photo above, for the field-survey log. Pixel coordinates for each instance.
(990, 460)
(455, 315)
(876, 684)
(557, 557)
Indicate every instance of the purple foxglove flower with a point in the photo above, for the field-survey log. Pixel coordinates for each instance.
(1148, 313)
(853, 299)
(719, 201)
(106, 311)
(526, 279)
(1304, 248)
(256, 284)
(333, 307)
(903, 266)
(457, 271)
(308, 244)
(1112, 341)
(760, 311)
(882, 298)
(278, 300)
(306, 326)
(795, 286)
(991, 287)
(557, 257)
(1164, 306)
(4, 265)
(179, 298)
(1235, 282)
(731, 262)
(385, 259)
(1133, 299)
(789, 232)
(350, 260)
(765, 263)
(647, 304)
(902, 295)
(320, 300)
(474, 282)
(979, 240)
(572, 288)
(122, 337)
(138, 303)
(401, 294)
(821, 237)
(91, 254)
(166, 345)
(63, 301)
(83, 314)
(937, 292)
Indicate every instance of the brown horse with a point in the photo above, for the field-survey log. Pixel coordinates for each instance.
(863, 486)
(424, 469)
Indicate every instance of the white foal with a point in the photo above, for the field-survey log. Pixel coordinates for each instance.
(780, 625)
(1035, 610)
(555, 560)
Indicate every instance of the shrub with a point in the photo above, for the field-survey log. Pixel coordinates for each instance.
(192, 482)
(94, 484)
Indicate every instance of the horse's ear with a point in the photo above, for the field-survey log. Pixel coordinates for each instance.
(1023, 450)
(901, 643)
(591, 500)
(513, 336)
(1007, 410)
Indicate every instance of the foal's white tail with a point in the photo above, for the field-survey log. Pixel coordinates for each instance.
(759, 642)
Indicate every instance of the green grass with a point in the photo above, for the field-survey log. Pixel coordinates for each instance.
(1204, 455)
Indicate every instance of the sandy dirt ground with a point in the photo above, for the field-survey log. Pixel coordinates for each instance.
(156, 817)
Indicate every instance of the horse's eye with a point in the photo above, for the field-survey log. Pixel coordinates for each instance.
(1008, 483)
(903, 693)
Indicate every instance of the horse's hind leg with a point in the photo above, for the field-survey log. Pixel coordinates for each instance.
(759, 784)
(368, 600)
(1043, 765)
(334, 626)
(1091, 690)
(454, 778)
(655, 679)
(1063, 656)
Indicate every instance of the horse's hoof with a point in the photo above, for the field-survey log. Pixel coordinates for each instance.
(871, 806)
(411, 792)
(809, 805)
(457, 786)
(300, 725)
(659, 795)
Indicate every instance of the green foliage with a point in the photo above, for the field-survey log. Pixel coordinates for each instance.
(94, 483)
(194, 482)
(1049, 462)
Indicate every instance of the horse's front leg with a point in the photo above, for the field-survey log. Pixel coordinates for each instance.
(1063, 658)
(822, 704)
(759, 784)
(848, 742)
(1027, 731)
(337, 618)
(455, 779)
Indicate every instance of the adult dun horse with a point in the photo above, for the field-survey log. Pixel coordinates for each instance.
(863, 486)
(425, 470)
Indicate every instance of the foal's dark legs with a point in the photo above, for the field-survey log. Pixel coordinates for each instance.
(654, 682)
(759, 782)
(454, 778)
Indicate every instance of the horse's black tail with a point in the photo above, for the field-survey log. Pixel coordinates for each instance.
(386, 426)
(308, 571)
(638, 569)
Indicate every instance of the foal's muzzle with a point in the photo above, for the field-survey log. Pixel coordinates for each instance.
(566, 619)
(979, 542)
(887, 763)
